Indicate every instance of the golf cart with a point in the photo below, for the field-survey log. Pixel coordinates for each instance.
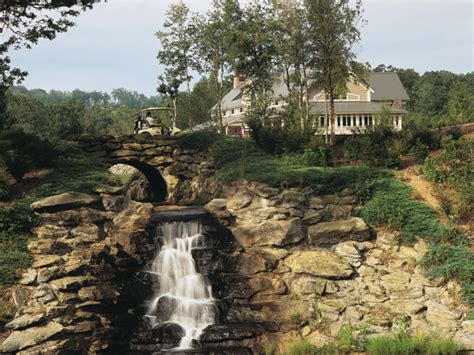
(142, 125)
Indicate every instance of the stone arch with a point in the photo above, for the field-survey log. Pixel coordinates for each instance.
(155, 177)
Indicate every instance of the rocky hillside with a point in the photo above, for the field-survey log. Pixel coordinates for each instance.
(285, 264)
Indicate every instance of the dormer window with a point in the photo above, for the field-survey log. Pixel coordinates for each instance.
(233, 111)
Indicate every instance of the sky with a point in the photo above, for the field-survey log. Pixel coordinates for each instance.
(113, 45)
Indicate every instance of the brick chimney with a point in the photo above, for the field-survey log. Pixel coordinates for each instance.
(237, 81)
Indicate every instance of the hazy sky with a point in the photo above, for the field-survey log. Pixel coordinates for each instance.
(114, 45)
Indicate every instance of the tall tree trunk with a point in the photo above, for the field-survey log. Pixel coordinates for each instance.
(220, 86)
(175, 110)
(332, 115)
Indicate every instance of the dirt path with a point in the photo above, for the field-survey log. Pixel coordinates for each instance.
(422, 189)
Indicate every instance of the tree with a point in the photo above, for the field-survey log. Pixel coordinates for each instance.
(177, 54)
(295, 55)
(23, 24)
(214, 41)
(254, 57)
(431, 94)
(461, 103)
(334, 31)
(169, 89)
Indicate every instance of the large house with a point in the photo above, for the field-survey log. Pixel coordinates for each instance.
(359, 109)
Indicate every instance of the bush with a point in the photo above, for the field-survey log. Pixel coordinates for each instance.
(402, 344)
(415, 137)
(23, 152)
(420, 151)
(3, 182)
(302, 347)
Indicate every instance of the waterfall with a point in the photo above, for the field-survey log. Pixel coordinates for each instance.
(182, 295)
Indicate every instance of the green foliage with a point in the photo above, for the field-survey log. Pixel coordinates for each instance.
(55, 114)
(301, 347)
(15, 223)
(71, 170)
(270, 350)
(461, 103)
(453, 167)
(23, 152)
(420, 152)
(388, 202)
(401, 344)
(295, 317)
(4, 194)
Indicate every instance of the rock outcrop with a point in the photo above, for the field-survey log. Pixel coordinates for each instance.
(283, 263)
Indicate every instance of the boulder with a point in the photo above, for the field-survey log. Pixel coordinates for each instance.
(218, 204)
(270, 233)
(316, 203)
(293, 198)
(396, 281)
(349, 252)
(336, 212)
(69, 283)
(65, 201)
(465, 336)
(238, 202)
(320, 262)
(24, 321)
(312, 216)
(440, 316)
(330, 233)
(19, 340)
(303, 285)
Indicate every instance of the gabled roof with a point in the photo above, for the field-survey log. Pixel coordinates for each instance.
(386, 86)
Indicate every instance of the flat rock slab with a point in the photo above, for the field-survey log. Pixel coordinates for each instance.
(321, 262)
(19, 340)
(334, 232)
(66, 201)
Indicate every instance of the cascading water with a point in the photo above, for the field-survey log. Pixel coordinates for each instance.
(182, 296)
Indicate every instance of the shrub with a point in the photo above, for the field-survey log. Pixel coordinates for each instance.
(302, 347)
(23, 152)
(3, 182)
(402, 344)
(420, 151)
(295, 317)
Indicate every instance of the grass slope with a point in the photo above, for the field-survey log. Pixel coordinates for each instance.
(72, 171)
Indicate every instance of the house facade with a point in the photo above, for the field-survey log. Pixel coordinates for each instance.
(358, 110)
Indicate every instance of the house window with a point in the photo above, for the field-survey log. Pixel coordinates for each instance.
(366, 120)
(233, 111)
(396, 121)
(371, 122)
(241, 109)
(355, 121)
(349, 118)
(339, 121)
(360, 120)
(321, 121)
(277, 103)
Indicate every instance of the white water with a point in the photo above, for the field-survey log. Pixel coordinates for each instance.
(193, 307)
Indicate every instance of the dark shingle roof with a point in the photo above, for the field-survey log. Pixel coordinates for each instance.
(387, 86)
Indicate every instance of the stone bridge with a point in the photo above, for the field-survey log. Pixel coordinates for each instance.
(173, 172)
